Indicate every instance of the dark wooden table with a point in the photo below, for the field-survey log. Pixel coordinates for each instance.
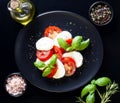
(9, 29)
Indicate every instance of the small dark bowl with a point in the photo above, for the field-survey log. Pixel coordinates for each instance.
(101, 13)
(19, 75)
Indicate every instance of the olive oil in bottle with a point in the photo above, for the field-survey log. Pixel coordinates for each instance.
(21, 11)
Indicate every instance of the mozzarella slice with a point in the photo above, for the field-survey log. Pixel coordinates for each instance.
(65, 35)
(76, 56)
(60, 71)
(44, 43)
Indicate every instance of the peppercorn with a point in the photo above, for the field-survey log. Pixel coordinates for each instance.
(101, 13)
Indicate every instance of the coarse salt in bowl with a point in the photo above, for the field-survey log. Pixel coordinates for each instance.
(101, 13)
(15, 84)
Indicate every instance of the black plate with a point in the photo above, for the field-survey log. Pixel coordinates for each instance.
(77, 25)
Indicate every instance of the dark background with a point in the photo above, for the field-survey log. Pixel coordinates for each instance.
(9, 29)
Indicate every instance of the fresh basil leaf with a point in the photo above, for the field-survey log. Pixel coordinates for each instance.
(53, 60)
(76, 42)
(39, 64)
(88, 88)
(50, 65)
(93, 81)
(90, 98)
(103, 81)
(63, 44)
(69, 48)
(46, 72)
(84, 45)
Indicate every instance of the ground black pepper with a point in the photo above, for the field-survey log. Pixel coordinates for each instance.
(101, 13)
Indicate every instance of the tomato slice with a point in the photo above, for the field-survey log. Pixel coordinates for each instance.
(70, 66)
(44, 55)
(52, 31)
(69, 41)
(54, 70)
(58, 51)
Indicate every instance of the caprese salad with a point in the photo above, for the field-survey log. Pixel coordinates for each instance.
(58, 53)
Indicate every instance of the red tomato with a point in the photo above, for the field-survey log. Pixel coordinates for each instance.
(54, 70)
(52, 31)
(44, 55)
(69, 41)
(70, 66)
(58, 51)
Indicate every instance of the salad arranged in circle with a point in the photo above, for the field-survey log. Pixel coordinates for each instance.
(58, 53)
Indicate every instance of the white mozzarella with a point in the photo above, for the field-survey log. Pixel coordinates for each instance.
(60, 71)
(65, 35)
(44, 43)
(76, 56)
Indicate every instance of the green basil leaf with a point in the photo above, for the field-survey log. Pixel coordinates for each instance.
(69, 48)
(53, 60)
(90, 98)
(50, 66)
(88, 88)
(103, 81)
(39, 64)
(76, 42)
(46, 72)
(84, 45)
(63, 44)
(93, 81)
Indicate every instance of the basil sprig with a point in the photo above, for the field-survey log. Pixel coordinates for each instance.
(88, 92)
(77, 44)
(47, 68)
(50, 66)
(87, 89)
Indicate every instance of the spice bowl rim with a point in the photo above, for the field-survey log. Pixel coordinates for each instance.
(97, 3)
(10, 75)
